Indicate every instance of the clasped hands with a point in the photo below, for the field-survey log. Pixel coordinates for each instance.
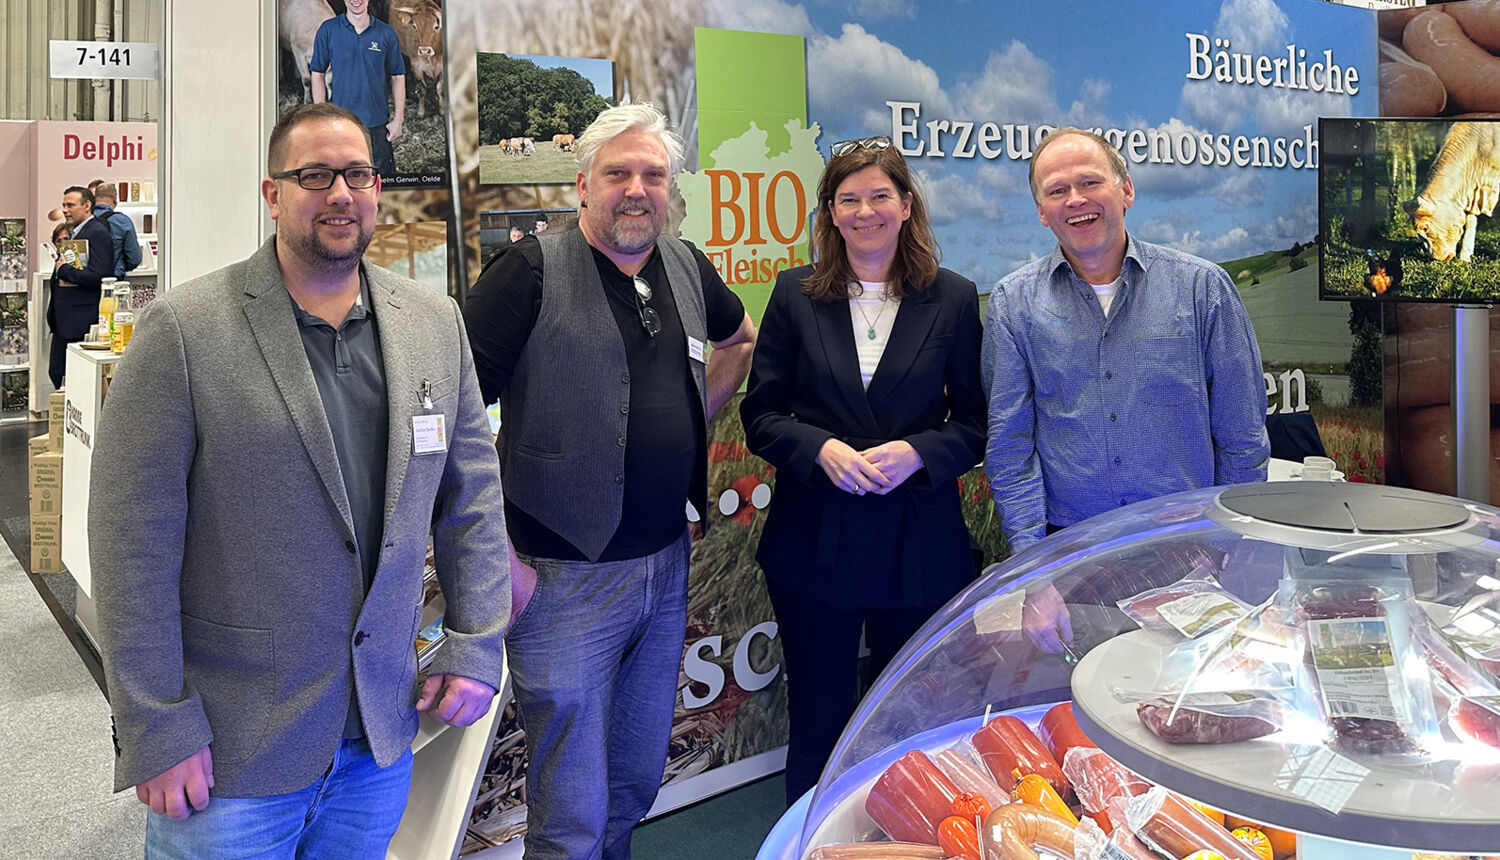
(875, 470)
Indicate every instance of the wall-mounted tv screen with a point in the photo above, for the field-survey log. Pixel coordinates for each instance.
(1406, 210)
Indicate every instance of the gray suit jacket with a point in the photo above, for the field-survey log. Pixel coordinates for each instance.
(230, 598)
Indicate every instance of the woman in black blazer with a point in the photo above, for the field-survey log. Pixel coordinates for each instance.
(865, 395)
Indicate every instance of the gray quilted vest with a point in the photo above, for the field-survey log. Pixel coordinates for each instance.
(564, 413)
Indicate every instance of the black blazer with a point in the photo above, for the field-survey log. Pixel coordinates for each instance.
(909, 547)
(73, 309)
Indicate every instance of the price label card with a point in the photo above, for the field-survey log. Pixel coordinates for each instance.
(139, 61)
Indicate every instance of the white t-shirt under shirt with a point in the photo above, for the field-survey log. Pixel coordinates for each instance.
(1106, 293)
(872, 314)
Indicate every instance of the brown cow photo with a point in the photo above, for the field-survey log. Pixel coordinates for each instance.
(532, 109)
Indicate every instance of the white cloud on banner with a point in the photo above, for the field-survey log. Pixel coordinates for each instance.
(1185, 180)
(1257, 25)
(1178, 227)
(1005, 181)
(1239, 189)
(869, 73)
(762, 16)
(884, 9)
(1088, 110)
(1015, 86)
(1283, 113)
(952, 198)
(1236, 243)
(1299, 224)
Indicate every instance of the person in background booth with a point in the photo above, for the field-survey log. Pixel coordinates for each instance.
(865, 395)
(60, 234)
(74, 306)
(594, 341)
(283, 439)
(1116, 370)
(127, 246)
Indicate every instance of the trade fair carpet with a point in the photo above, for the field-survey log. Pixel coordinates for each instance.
(57, 768)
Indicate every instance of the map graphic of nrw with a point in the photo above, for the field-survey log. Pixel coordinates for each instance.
(758, 208)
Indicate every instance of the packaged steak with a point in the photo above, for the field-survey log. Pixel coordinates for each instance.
(1477, 719)
(1363, 673)
(1192, 606)
(1211, 718)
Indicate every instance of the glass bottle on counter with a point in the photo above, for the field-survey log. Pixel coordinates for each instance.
(122, 295)
(123, 322)
(124, 327)
(106, 307)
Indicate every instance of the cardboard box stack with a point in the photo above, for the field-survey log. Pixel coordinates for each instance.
(56, 410)
(46, 492)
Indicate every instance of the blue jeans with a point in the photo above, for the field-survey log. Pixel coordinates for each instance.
(594, 662)
(352, 811)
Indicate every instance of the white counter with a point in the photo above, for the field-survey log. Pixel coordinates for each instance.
(85, 378)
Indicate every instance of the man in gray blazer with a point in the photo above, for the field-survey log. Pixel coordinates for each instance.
(264, 487)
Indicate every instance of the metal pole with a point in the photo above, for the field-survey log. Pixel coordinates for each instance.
(1471, 402)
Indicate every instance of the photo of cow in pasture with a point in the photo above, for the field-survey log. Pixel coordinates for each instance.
(1408, 209)
(531, 111)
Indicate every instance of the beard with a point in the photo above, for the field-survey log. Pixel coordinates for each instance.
(629, 238)
(316, 253)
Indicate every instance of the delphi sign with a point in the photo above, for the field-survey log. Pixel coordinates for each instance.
(107, 149)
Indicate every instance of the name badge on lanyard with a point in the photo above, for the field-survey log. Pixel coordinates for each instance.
(429, 433)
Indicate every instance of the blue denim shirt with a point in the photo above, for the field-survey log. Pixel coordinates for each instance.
(1088, 412)
(122, 236)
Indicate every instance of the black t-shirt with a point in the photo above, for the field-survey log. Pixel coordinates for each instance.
(665, 448)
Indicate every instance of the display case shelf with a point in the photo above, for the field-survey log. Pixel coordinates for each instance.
(1277, 549)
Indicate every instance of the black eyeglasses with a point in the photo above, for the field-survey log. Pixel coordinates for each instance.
(650, 319)
(321, 178)
(874, 144)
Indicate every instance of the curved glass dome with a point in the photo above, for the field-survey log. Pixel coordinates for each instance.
(1319, 657)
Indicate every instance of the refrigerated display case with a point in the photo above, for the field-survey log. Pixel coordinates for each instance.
(1317, 659)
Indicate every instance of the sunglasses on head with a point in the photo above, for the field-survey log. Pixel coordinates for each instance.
(844, 147)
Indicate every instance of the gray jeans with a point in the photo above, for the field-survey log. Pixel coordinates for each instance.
(594, 662)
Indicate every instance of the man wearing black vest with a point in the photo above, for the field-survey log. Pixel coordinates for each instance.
(593, 340)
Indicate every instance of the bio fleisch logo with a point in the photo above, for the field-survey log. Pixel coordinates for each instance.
(108, 151)
(749, 212)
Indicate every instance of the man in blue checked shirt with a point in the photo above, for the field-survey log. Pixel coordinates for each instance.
(1116, 370)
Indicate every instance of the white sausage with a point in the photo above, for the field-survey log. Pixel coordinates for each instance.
(1392, 21)
(1469, 73)
(1014, 832)
(878, 851)
(1407, 87)
(1480, 19)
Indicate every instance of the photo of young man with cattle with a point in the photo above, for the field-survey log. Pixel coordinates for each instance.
(381, 59)
(531, 110)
